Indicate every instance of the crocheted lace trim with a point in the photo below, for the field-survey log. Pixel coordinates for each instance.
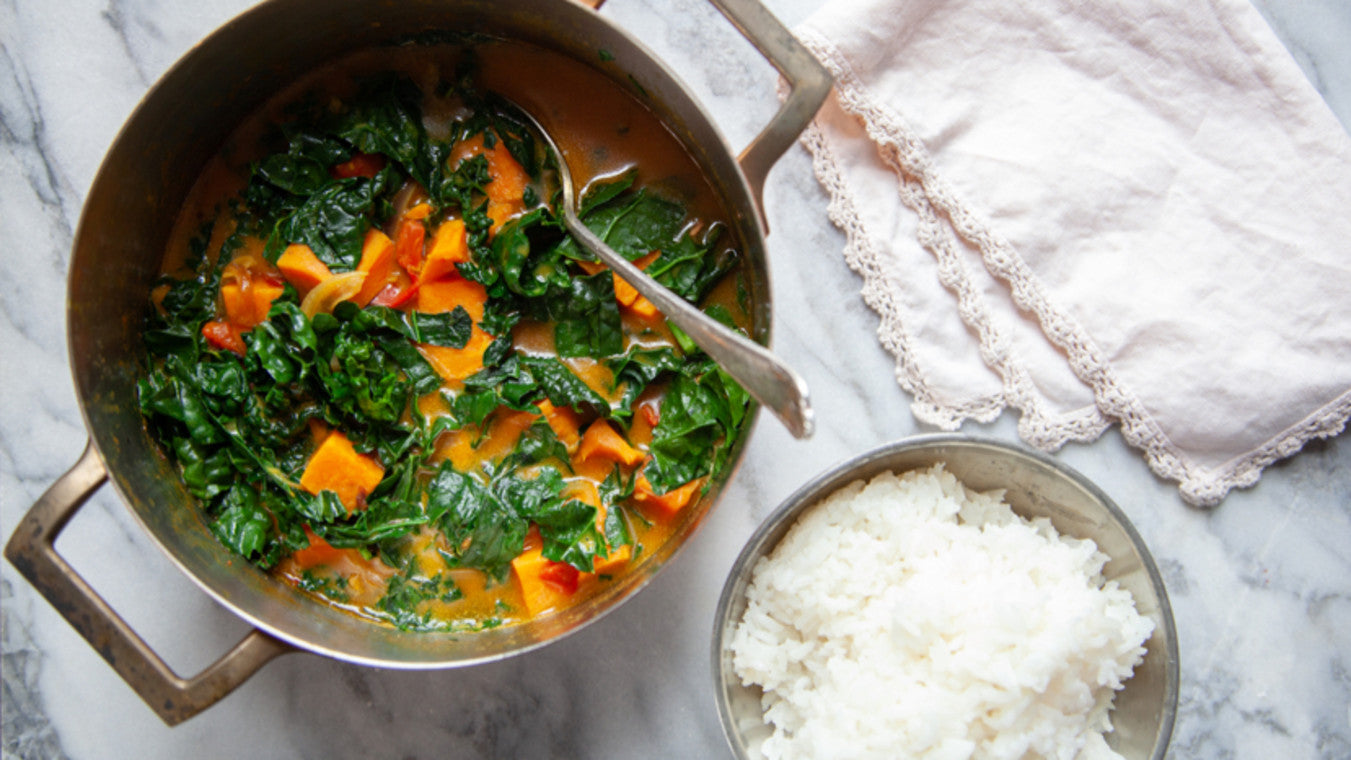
(944, 223)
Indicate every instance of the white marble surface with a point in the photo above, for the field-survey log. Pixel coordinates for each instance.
(1261, 586)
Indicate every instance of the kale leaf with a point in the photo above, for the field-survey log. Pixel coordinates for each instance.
(239, 427)
(699, 417)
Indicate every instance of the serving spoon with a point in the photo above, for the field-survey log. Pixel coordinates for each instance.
(764, 376)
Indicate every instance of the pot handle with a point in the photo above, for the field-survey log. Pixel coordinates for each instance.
(31, 549)
(808, 80)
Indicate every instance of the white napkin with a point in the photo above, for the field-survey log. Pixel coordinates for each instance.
(1134, 212)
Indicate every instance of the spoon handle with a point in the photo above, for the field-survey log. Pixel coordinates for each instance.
(764, 376)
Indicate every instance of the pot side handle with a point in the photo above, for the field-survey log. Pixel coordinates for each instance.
(31, 549)
(808, 80)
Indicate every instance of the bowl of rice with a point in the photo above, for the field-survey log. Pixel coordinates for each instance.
(946, 597)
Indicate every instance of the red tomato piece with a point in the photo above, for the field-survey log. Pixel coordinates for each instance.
(226, 336)
(359, 165)
(650, 414)
(271, 277)
(396, 296)
(561, 576)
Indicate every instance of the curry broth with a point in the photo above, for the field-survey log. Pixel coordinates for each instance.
(604, 132)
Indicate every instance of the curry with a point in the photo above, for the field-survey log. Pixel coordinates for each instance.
(389, 377)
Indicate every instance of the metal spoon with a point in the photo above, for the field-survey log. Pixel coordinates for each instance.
(764, 376)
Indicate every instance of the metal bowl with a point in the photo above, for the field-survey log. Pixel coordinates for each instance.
(1034, 486)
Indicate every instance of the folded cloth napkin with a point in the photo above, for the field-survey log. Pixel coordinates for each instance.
(1131, 213)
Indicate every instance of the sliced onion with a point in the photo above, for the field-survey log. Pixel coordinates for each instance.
(329, 293)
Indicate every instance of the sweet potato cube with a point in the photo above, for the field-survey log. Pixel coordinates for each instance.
(449, 247)
(509, 179)
(644, 308)
(445, 295)
(591, 267)
(666, 505)
(603, 441)
(248, 301)
(378, 262)
(264, 293)
(612, 564)
(336, 466)
(249, 285)
(302, 268)
(540, 594)
(458, 363)
(238, 308)
(625, 293)
(501, 212)
(418, 211)
(565, 421)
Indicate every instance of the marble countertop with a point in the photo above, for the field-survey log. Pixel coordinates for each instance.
(1261, 586)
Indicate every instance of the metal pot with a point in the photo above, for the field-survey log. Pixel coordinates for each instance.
(118, 247)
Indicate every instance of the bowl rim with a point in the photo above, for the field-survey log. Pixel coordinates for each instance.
(772, 528)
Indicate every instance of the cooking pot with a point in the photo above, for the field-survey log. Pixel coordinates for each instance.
(118, 248)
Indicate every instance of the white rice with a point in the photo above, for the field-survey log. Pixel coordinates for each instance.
(912, 617)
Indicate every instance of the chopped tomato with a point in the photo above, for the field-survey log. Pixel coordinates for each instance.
(650, 414)
(561, 576)
(359, 165)
(270, 276)
(225, 335)
(396, 295)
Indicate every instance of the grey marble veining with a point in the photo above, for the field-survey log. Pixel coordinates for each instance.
(1261, 586)
(1315, 34)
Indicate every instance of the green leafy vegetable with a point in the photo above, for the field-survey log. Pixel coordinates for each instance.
(698, 415)
(241, 428)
